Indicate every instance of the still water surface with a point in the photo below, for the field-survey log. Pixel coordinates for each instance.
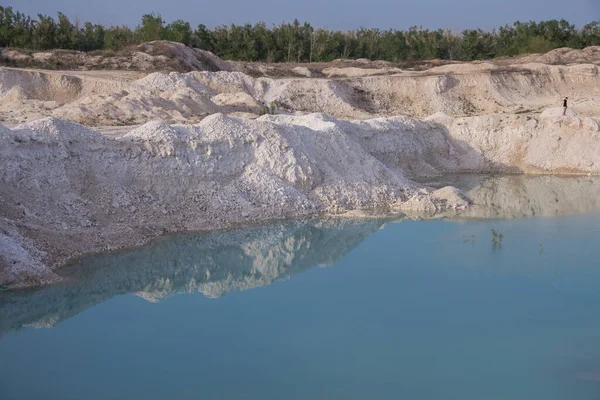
(329, 309)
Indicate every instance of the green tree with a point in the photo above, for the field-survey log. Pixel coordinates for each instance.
(590, 34)
(6, 26)
(23, 27)
(91, 37)
(538, 44)
(178, 31)
(203, 38)
(151, 28)
(116, 38)
(45, 33)
(66, 35)
(220, 41)
(263, 41)
(469, 46)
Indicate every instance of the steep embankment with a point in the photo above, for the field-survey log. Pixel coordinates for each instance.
(464, 90)
(458, 90)
(491, 143)
(216, 263)
(68, 190)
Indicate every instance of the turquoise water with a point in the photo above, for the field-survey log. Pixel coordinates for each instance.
(317, 309)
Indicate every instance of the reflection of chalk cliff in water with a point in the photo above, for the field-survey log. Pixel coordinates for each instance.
(520, 196)
(212, 263)
(219, 262)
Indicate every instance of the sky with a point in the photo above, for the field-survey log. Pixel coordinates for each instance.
(333, 14)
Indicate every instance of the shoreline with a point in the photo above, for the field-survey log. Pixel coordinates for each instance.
(69, 190)
(241, 149)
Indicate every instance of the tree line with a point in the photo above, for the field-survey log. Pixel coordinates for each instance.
(296, 41)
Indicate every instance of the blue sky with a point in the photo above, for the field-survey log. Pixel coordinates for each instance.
(334, 14)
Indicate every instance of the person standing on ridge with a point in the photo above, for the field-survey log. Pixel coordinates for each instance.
(565, 101)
